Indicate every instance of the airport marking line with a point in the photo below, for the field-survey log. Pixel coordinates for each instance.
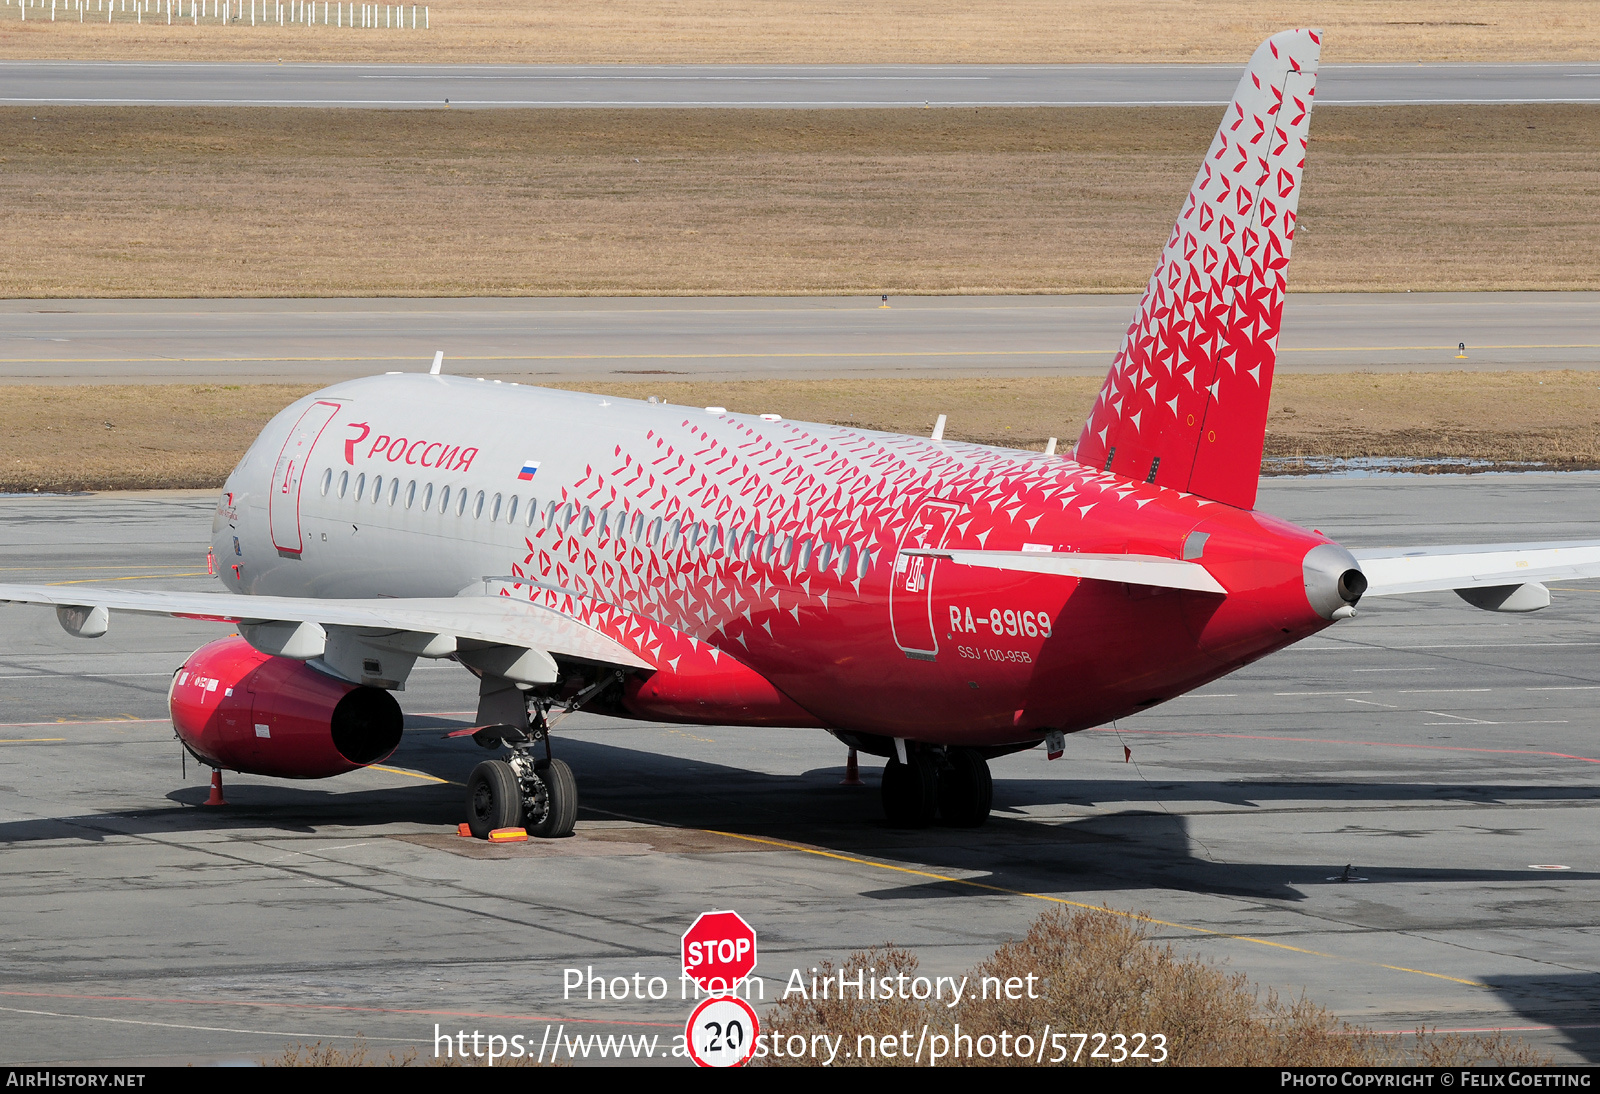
(335, 1007)
(785, 845)
(412, 774)
(1370, 744)
(129, 577)
(30, 740)
(1100, 352)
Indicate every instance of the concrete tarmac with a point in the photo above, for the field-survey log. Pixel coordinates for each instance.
(1395, 817)
(126, 83)
(745, 338)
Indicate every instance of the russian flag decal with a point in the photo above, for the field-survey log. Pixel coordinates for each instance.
(528, 468)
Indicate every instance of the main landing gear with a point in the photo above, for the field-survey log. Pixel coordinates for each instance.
(951, 784)
(529, 788)
(523, 790)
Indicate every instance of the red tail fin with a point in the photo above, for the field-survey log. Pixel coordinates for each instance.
(1185, 404)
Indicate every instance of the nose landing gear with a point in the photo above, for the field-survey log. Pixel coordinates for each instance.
(952, 784)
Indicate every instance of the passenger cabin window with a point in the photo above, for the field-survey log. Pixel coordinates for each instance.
(394, 491)
(427, 497)
(477, 506)
(344, 482)
(788, 551)
(805, 554)
(494, 509)
(377, 488)
(844, 560)
(411, 493)
(586, 525)
(461, 502)
(511, 513)
(361, 485)
(533, 511)
(327, 481)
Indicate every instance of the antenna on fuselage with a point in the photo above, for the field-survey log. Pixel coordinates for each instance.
(938, 429)
(438, 363)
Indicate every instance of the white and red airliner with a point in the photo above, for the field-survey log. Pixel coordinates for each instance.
(932, 602)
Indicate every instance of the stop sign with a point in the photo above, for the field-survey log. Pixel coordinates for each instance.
(719, 950)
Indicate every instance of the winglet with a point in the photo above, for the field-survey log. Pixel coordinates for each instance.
(1185, 403)
(438, 363)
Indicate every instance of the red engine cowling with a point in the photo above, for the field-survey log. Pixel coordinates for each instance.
(239, 708)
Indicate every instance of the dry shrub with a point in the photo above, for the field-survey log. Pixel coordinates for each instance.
(1100, 971)
(359, 1054)
(851, 1016)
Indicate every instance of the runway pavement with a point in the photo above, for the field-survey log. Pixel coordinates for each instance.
(741, 338)
(1439, 752)
(409, 86)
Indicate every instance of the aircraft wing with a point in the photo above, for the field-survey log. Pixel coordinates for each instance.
(492, 619)
(1394, 570)
(1165, 573)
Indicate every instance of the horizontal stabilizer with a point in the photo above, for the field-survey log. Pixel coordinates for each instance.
(1153, 570)
(497, 619)
(1391, 571)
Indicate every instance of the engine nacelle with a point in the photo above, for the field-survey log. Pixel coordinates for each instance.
(238, 708)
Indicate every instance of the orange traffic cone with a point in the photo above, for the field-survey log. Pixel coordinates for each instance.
(216, 797)
(852, 772)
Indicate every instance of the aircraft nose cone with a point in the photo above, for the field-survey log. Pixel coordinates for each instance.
(1334, 581)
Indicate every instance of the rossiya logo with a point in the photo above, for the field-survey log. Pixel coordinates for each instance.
(719, 952)
(439, 455)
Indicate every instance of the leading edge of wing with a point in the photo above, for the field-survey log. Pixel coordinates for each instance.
(498, 619)
(1391, 571)
(1153, 570)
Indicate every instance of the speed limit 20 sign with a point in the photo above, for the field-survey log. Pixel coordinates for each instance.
(722, 1032)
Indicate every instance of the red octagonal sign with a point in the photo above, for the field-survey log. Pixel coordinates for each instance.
(719, 950)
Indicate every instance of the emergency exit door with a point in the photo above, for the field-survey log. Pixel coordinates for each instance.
(911, 585)
(283, 504)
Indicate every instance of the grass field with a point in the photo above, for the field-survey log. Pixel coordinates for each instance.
(809, 31)
(159, 436)
(174, 202)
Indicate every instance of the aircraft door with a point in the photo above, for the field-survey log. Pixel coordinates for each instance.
(911, 584)
(283, 503)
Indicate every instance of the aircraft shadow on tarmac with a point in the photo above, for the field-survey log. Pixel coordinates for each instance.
(1130, 849)
(1571, 1002)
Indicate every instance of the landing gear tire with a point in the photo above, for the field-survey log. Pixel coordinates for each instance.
(553, 812)
(494, 798)
(966, 789)
(910, 791)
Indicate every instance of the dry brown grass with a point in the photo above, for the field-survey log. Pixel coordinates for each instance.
(1100, 971)
(253, 202)
(184, 435)
(685, 31)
